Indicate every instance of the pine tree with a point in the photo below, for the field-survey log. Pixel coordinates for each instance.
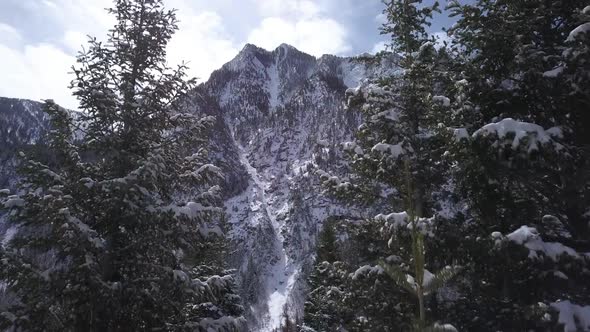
(398, 117)
(118, 235)
(511, 78)
(321, 306)
(508, 145)
(516, 149)
(423, 282)
(406, 25)
(400, 130)
(345, 296)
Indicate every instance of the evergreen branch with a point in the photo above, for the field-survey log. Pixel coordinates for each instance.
(398, 276)
(441, 278)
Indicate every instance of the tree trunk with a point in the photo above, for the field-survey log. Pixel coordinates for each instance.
(418, 202)
(422, 322)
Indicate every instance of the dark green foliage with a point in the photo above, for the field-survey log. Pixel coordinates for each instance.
(342, 297)
(494, 129)
(508, 51)
(326, 245)
(406, 24)
(122, 238)
(397, 110)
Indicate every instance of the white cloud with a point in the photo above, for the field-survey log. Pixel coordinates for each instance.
(299, 8)
(301, 23)
(74, 40)
(378, 47)
(41, 70)
(381, 18)
(9, 35)
(86, 17)
(202, 42)
(316, 36)
(272, 32)
(36, 72)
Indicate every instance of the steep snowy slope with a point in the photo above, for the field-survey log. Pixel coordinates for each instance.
(285, 112)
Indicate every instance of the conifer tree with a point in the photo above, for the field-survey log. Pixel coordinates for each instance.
(399, 131)
(502, 115)
(516, 150)
(345, 296)
(321, 307)
(118, 235)
(513, 78)
(397, 108)
(423, 282)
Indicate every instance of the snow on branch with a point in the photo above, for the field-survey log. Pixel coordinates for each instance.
(460, 134)
(444, 101)
(14, 201)
(366, 270)
(529, 237)
(82, 228)
(206, 171)
(573, 317)
(333, 182)
(371, 93)
(401, 220)
(581, 29)
(352, 147)
(394, 150)
(517, 133)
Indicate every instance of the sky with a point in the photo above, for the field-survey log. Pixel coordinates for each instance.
(39, 39)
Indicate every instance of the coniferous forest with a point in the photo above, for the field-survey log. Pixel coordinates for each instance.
(448, 190)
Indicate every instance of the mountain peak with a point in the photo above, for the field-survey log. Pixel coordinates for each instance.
(250, 48)
(283, 48)
(286, 46)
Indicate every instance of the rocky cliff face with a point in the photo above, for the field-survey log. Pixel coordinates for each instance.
(280, 114)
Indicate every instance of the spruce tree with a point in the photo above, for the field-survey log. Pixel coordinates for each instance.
(118, 235)
(511, 53)
(517, 150)
(321, 306)
(501, 114)
(423, 282)
(353, 292)
(400, 131)
(397, 109)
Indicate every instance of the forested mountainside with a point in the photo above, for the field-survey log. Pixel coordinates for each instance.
(22, 123)
(429, 187)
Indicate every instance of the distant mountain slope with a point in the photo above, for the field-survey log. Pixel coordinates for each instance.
(22, 123)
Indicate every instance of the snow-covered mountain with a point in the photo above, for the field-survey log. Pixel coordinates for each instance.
(22, 123)
(284, 111)
(280, 114)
